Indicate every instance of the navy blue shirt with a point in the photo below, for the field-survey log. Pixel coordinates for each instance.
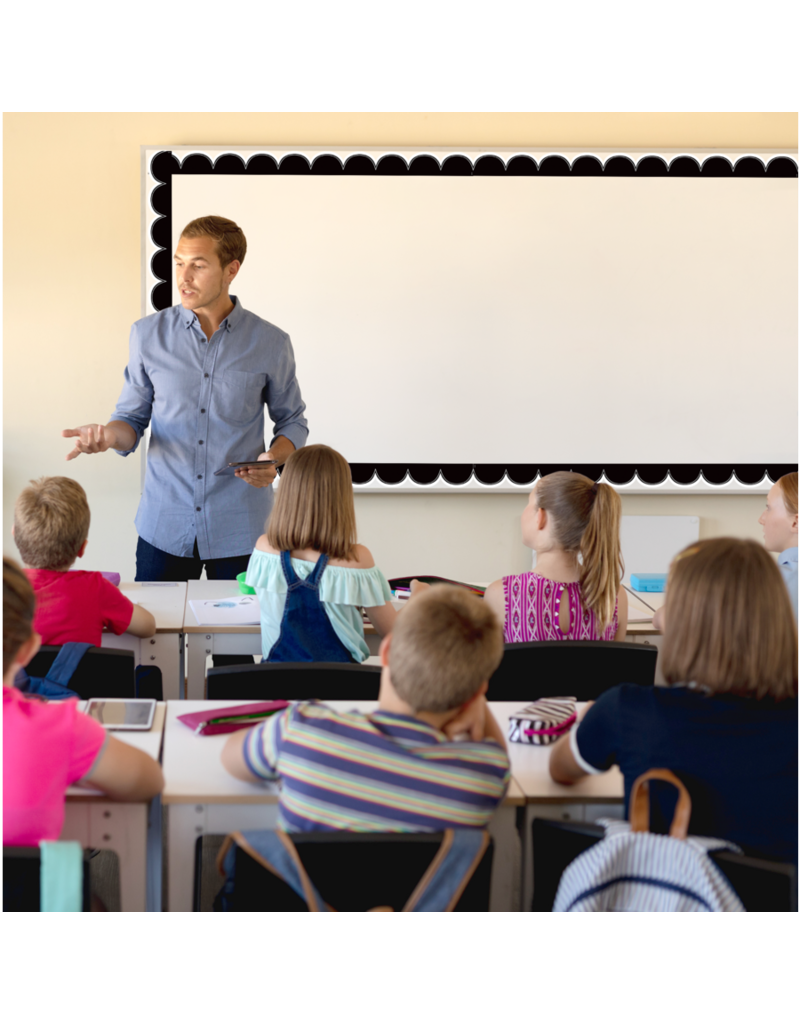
(737, 757)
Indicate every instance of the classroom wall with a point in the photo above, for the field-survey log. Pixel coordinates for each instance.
(72, 287)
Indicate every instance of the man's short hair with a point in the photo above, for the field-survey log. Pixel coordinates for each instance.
(445, 643)
(51, 521)
(228, 236)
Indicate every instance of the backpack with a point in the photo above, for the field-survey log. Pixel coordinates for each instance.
(636, 870)
(439, 889)
(53, 685)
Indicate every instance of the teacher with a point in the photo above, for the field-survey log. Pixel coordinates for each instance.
(199, 374)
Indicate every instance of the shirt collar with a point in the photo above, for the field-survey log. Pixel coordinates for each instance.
(230, 321)
(788, 556)
(427, 733)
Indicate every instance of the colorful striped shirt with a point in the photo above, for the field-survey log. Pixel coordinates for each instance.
(381, 772)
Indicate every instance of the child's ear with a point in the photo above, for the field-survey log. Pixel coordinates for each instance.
(82, 548)
(28, 649)
(383, 650)
(541, 519)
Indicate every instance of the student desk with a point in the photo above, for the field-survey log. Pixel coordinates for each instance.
(200, 796)
(165, 649)
(204, 640)
(596, 796)
(131, 830)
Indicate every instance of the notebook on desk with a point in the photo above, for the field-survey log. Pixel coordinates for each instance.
(228, 611)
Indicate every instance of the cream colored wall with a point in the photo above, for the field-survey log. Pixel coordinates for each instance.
(72, 288)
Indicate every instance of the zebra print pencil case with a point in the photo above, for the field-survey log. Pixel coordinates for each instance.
(543, 721)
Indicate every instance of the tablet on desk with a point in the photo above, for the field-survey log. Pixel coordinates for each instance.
(122, 714)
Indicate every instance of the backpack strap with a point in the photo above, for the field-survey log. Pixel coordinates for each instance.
(639, 811)
(446, 878)
(276, 852)
(65, 663)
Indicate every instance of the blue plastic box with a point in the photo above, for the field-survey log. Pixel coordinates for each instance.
(649, 582)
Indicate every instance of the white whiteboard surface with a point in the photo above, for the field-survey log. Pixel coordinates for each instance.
(527, 320)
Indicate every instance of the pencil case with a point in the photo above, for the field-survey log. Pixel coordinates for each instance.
(211, 722)
(543, 721)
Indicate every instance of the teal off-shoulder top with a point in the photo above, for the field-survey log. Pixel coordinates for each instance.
(343, 592)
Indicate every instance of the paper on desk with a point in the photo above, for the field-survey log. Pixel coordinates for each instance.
(638, 614)
(228, 611)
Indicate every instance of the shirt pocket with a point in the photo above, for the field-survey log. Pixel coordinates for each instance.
(239, 398)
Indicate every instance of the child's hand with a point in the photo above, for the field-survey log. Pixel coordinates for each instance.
(471, 720)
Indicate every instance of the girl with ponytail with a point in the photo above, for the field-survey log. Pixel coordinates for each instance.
(575, 593)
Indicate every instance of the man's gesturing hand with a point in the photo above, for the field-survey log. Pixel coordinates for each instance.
(91, 438)
(258, 476)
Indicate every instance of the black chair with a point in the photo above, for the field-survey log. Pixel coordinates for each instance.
(304, 680)
(761, 885)
(21, 887)
(103, 672)
(353, 871)
(570, 668)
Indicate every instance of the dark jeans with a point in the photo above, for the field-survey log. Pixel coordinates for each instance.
(156, 566)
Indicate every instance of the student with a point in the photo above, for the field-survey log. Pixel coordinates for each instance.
(780, 530)
(726, 723)
(567, 516)
(401, 768)
(311, 577)
(51, 529)
(48, 747)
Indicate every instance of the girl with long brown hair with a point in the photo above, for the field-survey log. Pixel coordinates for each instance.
(311, 577)
(575, 593)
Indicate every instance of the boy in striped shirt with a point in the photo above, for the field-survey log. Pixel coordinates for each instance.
(431, 757)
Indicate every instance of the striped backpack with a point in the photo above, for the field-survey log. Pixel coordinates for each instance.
(636, 870)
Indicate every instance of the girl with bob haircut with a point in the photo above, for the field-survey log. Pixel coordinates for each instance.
(779, 520)
(311, 577)
(726, 722)
(575, 593)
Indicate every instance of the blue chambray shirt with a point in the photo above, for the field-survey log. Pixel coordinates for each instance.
(787, 563)
(204, 401)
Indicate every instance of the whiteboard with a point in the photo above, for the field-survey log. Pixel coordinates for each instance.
(512, 320)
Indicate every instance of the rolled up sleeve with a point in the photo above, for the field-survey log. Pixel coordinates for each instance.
(135, 403)
(284, 401)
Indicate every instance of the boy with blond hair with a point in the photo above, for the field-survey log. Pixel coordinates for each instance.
(401, 768)
(51, 529)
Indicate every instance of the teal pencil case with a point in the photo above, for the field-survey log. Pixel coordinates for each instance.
(649, 582)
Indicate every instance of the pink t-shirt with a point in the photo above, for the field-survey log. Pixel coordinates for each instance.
(46, 747)
(533, 605)
(73, 607)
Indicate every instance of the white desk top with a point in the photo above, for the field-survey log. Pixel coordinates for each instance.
(167, 604)
(149, 742)
(193, 770)
(205, 590)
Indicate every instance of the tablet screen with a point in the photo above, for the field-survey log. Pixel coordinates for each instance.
(122, 714)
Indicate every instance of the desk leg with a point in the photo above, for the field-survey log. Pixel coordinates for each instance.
(154, 863)
(198, 646)
(185, 822)
(103, 825)
(505, 891)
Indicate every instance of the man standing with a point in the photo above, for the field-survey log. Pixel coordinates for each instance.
(200, 373)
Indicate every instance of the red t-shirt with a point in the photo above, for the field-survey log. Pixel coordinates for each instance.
(73, 607)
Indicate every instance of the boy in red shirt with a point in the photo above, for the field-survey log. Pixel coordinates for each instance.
(51, 528)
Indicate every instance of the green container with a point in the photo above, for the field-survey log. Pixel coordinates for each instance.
(240, 579)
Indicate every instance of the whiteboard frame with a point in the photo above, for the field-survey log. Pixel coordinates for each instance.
(474, 484)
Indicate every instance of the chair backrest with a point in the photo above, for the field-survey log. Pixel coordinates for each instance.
(21, 879)
(355, 871)
(288, 680)
(102, 672)
(761, 885)
(570, 668)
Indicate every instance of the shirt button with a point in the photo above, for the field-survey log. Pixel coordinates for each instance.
(198, 509)
(199, 442)
(205, 374)
(199, 476)
(202, 410)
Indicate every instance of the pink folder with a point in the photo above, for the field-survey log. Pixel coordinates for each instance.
(197, 720)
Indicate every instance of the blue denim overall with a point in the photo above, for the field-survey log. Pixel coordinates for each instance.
(306, 631)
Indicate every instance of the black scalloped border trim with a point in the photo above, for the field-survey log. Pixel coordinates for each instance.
(462, 473)
(165, 165)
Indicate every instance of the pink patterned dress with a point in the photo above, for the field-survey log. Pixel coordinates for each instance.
(532, 604)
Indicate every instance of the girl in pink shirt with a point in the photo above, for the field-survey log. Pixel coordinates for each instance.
(575, 592)
(48, 747)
